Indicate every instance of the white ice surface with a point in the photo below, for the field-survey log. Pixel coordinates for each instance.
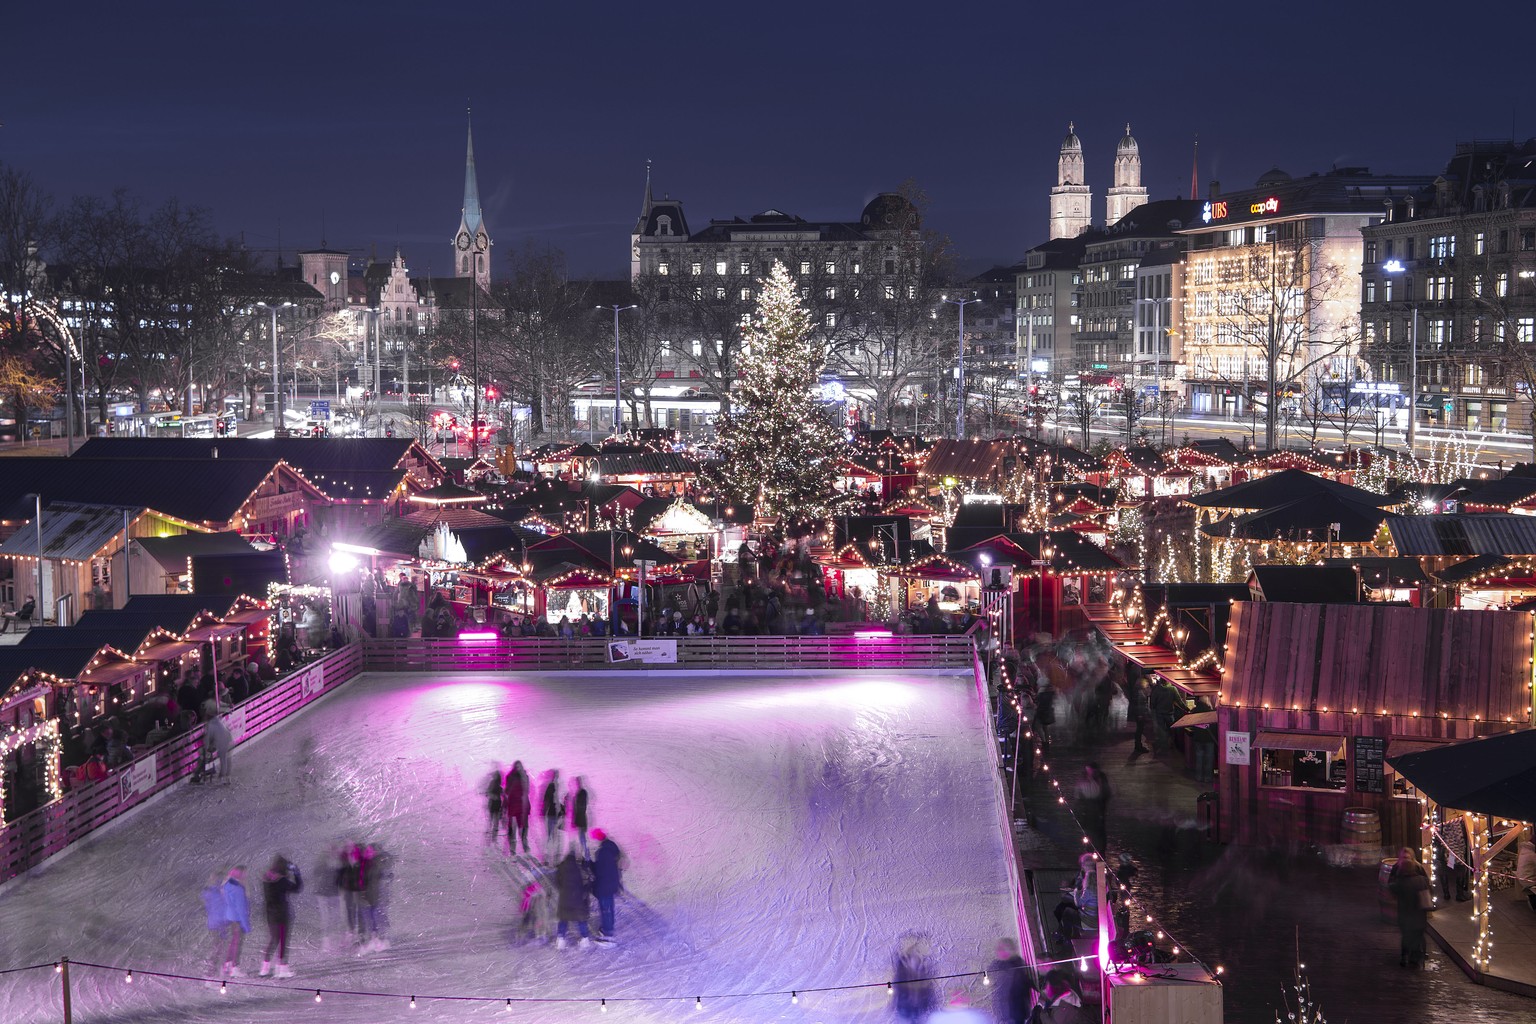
(783, 833)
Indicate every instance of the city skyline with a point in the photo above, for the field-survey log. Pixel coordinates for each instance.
(337, 135)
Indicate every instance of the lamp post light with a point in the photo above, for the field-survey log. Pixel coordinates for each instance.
(478, 244)
(1396, 267)
(960, 305)
(277, 385)
(618, 414)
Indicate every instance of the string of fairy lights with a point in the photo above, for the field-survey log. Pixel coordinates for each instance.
(602, 1004)
(1137, 912)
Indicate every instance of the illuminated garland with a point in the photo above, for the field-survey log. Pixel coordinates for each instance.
(49, 748)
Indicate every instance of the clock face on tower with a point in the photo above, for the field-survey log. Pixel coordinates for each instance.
(335, 277)
(463, 240)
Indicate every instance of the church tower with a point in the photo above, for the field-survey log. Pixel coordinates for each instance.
(1127, 192)
(472, 245)
(1071, 199)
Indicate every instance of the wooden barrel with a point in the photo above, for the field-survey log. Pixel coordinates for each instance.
(1362, 827)
(1386, 903)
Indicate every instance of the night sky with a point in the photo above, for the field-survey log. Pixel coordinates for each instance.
(346, 120)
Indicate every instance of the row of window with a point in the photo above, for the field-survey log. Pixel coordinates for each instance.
(1443, 247)
(744, 268)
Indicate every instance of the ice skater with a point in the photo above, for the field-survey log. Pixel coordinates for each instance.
(327, 886)
(218, 918)
(578, 803)
(916, 995)
(518, 801)
(571, 883)
(237, 917)
(371, 901)
(349, 879)
(218, 734)
(535, 907)
(607, 881)
(554, 816)
(281, 881)
(493, 798)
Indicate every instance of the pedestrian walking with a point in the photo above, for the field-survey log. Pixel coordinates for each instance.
(578, 803)
(493, 803)
(914, 989)
(1091, 806)
(1140, 706)
(518, 802)
(280, 882)
(349, 879)
(607, 881)
(554, 815)
(1012, 988)
(218, 918)
(237, 918)
(572, 905)
(1045, 716)
(215, 732)
(1410, 884)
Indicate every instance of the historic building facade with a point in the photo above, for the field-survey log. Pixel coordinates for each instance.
(1448, 283)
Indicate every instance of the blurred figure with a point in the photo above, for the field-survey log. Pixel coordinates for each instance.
(217, 734)
(349, 878)
(280, 882)
(1409, 882)
(607, 881)
(1011, 986)
(1059, 1002)
(571, 883)
(534, 925)
(1091, 805)
(554, 814)
(577, 803)
(237, 918)
(493, 803)
(915, 993)
(371, 868)
(218, 918)
(517, 799)
(333, 915)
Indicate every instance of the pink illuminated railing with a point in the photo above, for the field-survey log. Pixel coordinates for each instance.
(33, 838)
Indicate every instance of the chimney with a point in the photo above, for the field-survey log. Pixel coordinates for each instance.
(1215, 189)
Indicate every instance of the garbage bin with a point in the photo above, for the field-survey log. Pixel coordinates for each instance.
(1208, 811)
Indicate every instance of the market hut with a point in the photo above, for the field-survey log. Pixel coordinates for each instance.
(1315, 695)
(686, 531)
(1478, 801)
(31, 746)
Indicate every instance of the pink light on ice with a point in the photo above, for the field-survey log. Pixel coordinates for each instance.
(489, 634)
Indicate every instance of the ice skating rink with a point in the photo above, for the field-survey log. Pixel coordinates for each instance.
(783, 833)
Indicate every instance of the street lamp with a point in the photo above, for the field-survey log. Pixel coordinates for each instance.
(277, 386)
(960, 305)
(478, 244)
(1395, 267)
(618, 415)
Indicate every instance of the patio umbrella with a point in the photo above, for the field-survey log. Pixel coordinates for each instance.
(1494, 776)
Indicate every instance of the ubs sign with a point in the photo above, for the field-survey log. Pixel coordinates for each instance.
(1219, 210)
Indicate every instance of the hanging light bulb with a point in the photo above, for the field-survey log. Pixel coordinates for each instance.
(698, 1002)
(794, 997)
(317, 995)
(413, 1002)
(602, 1005)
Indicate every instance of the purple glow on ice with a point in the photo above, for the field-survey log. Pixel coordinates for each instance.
(488, 634)
(872, 634)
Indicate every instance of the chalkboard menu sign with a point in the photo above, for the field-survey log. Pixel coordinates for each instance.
(1370, 764)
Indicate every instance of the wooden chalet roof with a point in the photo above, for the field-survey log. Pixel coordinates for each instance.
(1468, 534)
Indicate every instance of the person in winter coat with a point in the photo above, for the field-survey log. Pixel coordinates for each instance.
(1409, 882)
(1091, 804)
(1140, 708)
(349, 879)
(577, 805)
(218, 734)
(1011, 987)
(554, 814)
(1059, 1002)
(572, 906)
(517, 799)
(371, 868)
(237, 918)
(281, 881)
(915, 994)
(218, 917)
(328, 888)
(607, 880)
(493, 803)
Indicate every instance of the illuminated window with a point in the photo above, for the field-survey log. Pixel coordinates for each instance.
(720, 268)
(890, 291)
(663, 268)
(1479, 244)
(858, 268)
(1525, 329)
(1442, 247)
(1370, 250)
(831, 267)
(1370, 291)
(719, 293)
(831, 293)
(698, 347)
(805, 266)
(746, 268)
(746, 295)
(831, 319)
(697, 268)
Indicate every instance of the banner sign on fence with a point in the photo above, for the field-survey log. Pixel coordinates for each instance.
(656, 652)
(312, 681)
(234, 720)
(138, 777)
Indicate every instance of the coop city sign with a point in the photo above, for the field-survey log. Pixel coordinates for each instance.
(1263, 206)
(1217, 209)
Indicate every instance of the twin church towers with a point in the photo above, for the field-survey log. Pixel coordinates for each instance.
(1072, 199)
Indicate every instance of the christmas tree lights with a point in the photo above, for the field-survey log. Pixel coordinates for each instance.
(778, 448)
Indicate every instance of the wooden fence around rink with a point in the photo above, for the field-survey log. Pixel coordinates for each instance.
(729, 653)
(32, 838)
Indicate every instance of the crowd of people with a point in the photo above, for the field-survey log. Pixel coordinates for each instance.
(558, 884)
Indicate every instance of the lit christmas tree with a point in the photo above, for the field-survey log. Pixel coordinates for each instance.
(778, 449)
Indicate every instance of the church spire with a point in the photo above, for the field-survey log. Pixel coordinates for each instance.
(472, 218)
(645, 207)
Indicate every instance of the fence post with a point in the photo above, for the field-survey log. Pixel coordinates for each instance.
(64, 987)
